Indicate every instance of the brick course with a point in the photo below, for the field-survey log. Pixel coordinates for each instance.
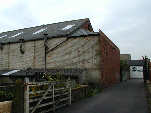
(110, 61)
(86, 24)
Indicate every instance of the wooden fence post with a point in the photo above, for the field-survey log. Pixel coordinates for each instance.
(26, 96)
(69, 91)
(53, 98)
(18, 98)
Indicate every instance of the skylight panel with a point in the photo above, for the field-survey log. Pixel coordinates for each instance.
(16, 34)
(3, 36)
(68, 27)
(11, 72)
(39, 31)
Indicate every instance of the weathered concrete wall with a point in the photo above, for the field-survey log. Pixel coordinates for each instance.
(72, 53)
(39, 52)
(17, 60)
(4, 57)
(39, 55)
(77, 53)
(33, 57)
(12, 58)
(80, 52)
(124, 74)
(90, 75)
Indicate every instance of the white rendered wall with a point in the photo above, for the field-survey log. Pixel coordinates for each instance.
(136, 71)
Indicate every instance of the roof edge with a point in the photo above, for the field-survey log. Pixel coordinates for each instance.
(87, 19)
(107, 39)
(44, 25)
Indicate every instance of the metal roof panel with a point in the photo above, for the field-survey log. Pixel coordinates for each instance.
(136, 62)
(81, 32)
(31, 72)
(35, 33)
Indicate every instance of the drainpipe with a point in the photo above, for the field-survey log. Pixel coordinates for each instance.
(46, 47)
(1, 47)
(21, 43)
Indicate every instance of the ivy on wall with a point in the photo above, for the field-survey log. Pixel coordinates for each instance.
(124, 64)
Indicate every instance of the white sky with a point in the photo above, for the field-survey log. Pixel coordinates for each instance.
(126, 22)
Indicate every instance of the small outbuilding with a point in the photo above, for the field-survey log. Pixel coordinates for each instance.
(125, 57)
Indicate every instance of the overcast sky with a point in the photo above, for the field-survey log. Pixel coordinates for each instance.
(126, 22)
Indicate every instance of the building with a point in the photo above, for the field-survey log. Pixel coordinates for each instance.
(125, 57)
(136, 68)
(125, 71)
(71, 48)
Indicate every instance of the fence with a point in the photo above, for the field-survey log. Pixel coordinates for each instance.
(148, 88)
(7, 88)
(45, 96)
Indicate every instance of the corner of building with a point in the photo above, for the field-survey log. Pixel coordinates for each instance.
(110, 61)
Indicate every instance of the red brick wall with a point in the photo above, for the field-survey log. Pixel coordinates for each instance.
(110, 61)
(85, 26)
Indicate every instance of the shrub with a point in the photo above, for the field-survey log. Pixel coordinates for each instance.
(58, 77)
(77, 86)
(5, 96)
(93, 89)
(124, 64)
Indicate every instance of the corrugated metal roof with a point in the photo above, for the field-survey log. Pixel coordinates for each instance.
(53, 30)
(31, 72)
(82, 32)
(16, 73)
(136, 62)
(65, 72)
(10, 72)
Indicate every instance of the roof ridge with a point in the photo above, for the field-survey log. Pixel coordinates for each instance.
(70, 21)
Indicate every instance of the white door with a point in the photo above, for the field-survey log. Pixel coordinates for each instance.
(136, 71)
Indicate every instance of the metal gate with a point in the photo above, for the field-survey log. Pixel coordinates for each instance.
(55, 95)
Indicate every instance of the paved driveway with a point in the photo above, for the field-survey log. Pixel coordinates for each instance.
(125, 97)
